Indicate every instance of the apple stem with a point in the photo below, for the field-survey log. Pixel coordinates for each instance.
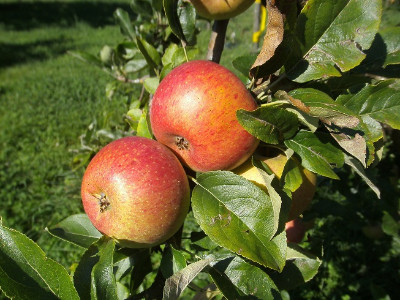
(217, 40)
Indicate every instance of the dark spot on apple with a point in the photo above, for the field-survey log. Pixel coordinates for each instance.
(181, 143)
(103, 202)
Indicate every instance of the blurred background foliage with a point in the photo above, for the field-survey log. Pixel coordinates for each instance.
(53, 107)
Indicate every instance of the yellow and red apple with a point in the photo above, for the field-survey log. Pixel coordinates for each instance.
(136, 191)
(221, 9)
(193, 112)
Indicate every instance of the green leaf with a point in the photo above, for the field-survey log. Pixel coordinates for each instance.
(87, 58)
(175, 284)
(144, 127)
(124, 21)
(187, 19)
(135, 65)
(325, 108)
(380, 102)
(316, 155)
(237, 278)
(169, 54)
(334, 34)
(76, 229)
(181, 17)
(150, 53)
(172, 261)
(201, 241)
(151, 84)
(103, 284)
(358, 168)
(26, 272)
(389, 225)
(244, 63)
(239, 216)
(300, 268)
(270, 124)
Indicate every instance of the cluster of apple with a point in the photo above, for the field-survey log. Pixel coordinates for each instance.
(136, 189)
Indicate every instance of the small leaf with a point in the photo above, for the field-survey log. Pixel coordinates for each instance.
(333, 34)
(239, 216)
(172, 261)
(135, 65)
(300, 268)
(389, 225)
(380, 102)
(87, 58)
(169, 54)
(125, 23)
(175, 284)
(76, 229)
(151, 55)
(316, 155)
(244, 63)
(187, 19)
(236, 277)
(270, 124)
(103, 284)
(144, 127)
(26, 273)
(151, 84)
(355, 165)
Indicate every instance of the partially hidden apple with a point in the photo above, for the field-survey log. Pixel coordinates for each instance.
(301, 198)
(136, 191)
(295, 231)
(221, 9)
(193, 112)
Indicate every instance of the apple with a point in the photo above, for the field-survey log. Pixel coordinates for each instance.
(373, 231)
(295, 230)
(221, 9)
(193, 112)
(136, 191)
(301, 198)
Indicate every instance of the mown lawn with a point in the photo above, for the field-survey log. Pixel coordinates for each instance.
(47, 100)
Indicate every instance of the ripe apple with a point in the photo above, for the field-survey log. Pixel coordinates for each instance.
(193, 112)
(221, 9)
(295, 231)
(136, 191)
(301, 198)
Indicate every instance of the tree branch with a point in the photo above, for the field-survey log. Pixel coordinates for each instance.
(217, 40)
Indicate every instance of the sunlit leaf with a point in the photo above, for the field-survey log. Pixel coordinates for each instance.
(239, 216)
(26, 272)
(237, 278)
(76, 229)
(334, 34)
(316, 155)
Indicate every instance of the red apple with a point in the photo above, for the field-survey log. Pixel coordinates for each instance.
(194, 113)
(136, 191)
(295, 231)
(221, 9)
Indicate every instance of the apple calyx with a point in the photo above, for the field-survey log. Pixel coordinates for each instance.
(181, 143)
(103, 201)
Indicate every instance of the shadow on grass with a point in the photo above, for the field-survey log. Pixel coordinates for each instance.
(11, 54)
(30, 15)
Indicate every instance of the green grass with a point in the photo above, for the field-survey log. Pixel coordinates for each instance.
(47, 100)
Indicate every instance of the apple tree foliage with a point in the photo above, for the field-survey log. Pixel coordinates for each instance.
(326, 80)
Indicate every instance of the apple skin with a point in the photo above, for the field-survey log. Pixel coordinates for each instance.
(295, 231)
(136, 191)
(221, 9)
(301, 198)
(193, 112)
